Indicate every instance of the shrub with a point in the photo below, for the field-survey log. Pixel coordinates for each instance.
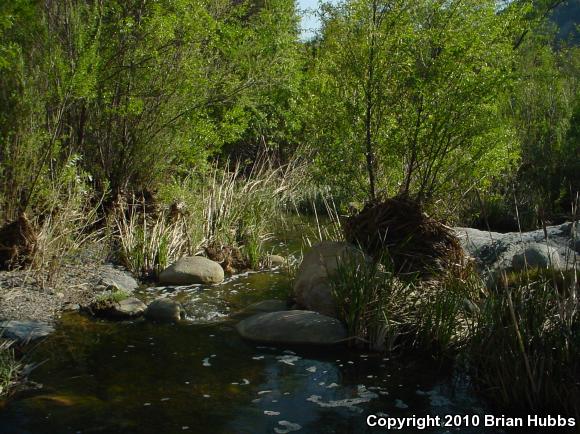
(67, 218)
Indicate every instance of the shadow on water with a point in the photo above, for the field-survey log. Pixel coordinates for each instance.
(199, 376)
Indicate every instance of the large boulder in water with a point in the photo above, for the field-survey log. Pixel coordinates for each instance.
(312, 287)
(192, 269)
(296, 327)
(165, 310)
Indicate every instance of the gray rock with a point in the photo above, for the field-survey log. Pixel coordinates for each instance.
(575, 237)
(164, 310)
(125, 309)
(131, 307)
(535, 255)
(25, 331)
(312, 286)
(292, 327)
(192, 269)
(268, 306)
(115, 279)
(494, 252)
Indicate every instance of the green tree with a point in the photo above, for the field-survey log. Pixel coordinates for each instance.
(543, 106)
(141, 90)
(412, 91)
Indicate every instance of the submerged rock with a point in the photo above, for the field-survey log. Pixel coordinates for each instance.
(267, 306)
(165, 310)
(262, 307)
(275, 260)
(312, 287)
(192, 269)
(24, 331)
(292, 327)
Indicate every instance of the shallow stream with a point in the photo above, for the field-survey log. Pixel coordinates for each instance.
(199, 376)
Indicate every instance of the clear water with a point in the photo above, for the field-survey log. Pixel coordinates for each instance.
(200, 377)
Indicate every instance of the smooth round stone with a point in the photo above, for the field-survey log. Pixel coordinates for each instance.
(192, 269)
(312, 286)
(130, 308)
(292, 327)
(164, 310)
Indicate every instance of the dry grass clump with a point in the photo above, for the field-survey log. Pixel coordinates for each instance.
(414, 241)
(147, 242)
(64, 218)
(229, 257)
(18, 241)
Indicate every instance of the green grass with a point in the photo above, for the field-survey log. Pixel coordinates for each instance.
(524, 350)
(520, 343)
(9, 368)
(113, 296)
(445, 312)
(390, 312)
(366, 302)
(230, 205)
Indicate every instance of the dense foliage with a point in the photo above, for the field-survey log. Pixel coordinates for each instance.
(436, 100)
(138, 91)
(158, 128)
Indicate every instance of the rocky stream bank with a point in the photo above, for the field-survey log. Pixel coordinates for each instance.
(29, 309)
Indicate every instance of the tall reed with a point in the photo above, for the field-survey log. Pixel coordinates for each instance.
(149, 242)
(525, 347)
(373, 303)
(232, 205)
